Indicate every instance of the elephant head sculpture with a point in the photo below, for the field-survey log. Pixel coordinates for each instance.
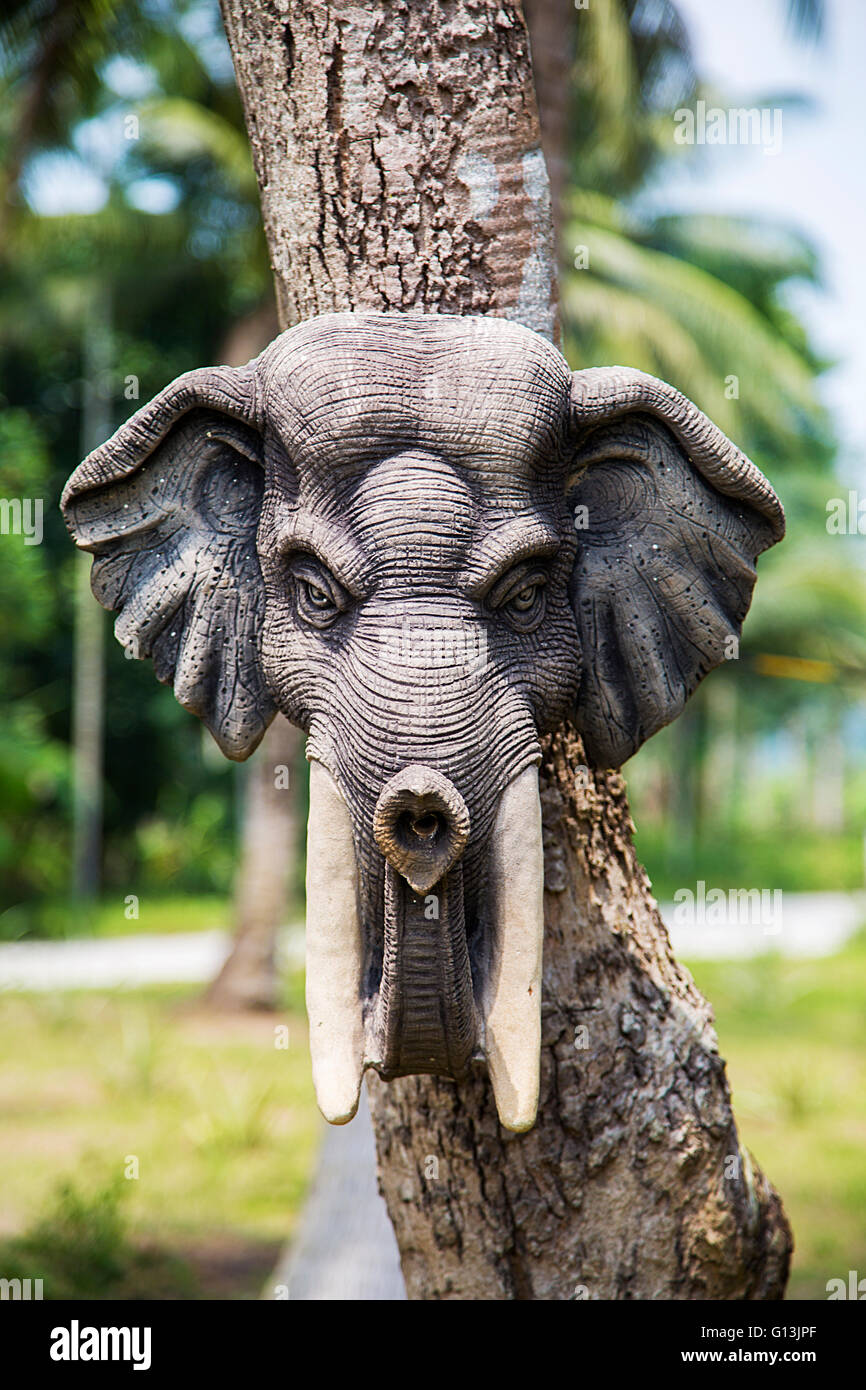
(426, 542)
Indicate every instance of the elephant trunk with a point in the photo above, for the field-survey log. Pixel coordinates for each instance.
(426, 1018)
(433, 1010)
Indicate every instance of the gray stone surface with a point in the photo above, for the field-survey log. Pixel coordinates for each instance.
(345, 1248)
(127, 962)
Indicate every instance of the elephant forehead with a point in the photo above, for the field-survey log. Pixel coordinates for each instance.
(485, 393)
(413, 505)
(419, 516)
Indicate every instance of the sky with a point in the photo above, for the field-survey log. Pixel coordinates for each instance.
(817, 180)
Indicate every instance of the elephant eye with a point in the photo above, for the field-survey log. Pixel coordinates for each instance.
(523, 601)
(320, 598)
(520, 596)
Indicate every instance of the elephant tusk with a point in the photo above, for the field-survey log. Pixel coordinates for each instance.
(334, 951)
(512, 997)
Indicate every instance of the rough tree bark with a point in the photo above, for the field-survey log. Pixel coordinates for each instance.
(397, 151)
(552, 29)
(398, 154)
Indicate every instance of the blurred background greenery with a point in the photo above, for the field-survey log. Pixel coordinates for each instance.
(130, 251)
(128, 108)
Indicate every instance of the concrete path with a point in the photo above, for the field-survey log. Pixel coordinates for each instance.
(344, 1249)
(126, 962)
(795, 924)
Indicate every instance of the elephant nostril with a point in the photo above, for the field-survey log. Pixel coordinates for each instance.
(419, 829)
(410, 827)
(421, 825)
(425, 826)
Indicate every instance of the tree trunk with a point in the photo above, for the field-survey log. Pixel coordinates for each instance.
(269, 851)
(398, 154)
(553, 42)
(88, 697)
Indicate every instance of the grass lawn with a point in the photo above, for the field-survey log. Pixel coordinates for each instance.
(221, 1127)
(794, 1037)
(219, 1124)
(796, 861)
(157, 915)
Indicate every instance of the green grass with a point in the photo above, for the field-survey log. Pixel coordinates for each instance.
(798, 862)
(794, 1036)
(82, 1248)
(224, 1128)
(157, 915)
(219, 1124)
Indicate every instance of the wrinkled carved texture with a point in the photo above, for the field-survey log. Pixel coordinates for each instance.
(173, 533)
(663, 578)
(397, 150)
(426, 543)
(632, 1184)
(356, 519)
(401, 166)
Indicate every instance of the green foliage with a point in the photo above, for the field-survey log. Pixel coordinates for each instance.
(798, 861)
(169, 805)
(632, 66)
(223, 1125)
(34, 770)
(59, 917)
(793, 1033)
(81, 1248)
(666, 312)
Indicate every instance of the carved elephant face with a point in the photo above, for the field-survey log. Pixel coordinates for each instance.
(426, 542)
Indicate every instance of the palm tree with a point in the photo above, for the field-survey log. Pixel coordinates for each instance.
(699, 300)
(660, 295)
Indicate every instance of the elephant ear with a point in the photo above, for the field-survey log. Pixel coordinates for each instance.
(169, 507)
(670, 518)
